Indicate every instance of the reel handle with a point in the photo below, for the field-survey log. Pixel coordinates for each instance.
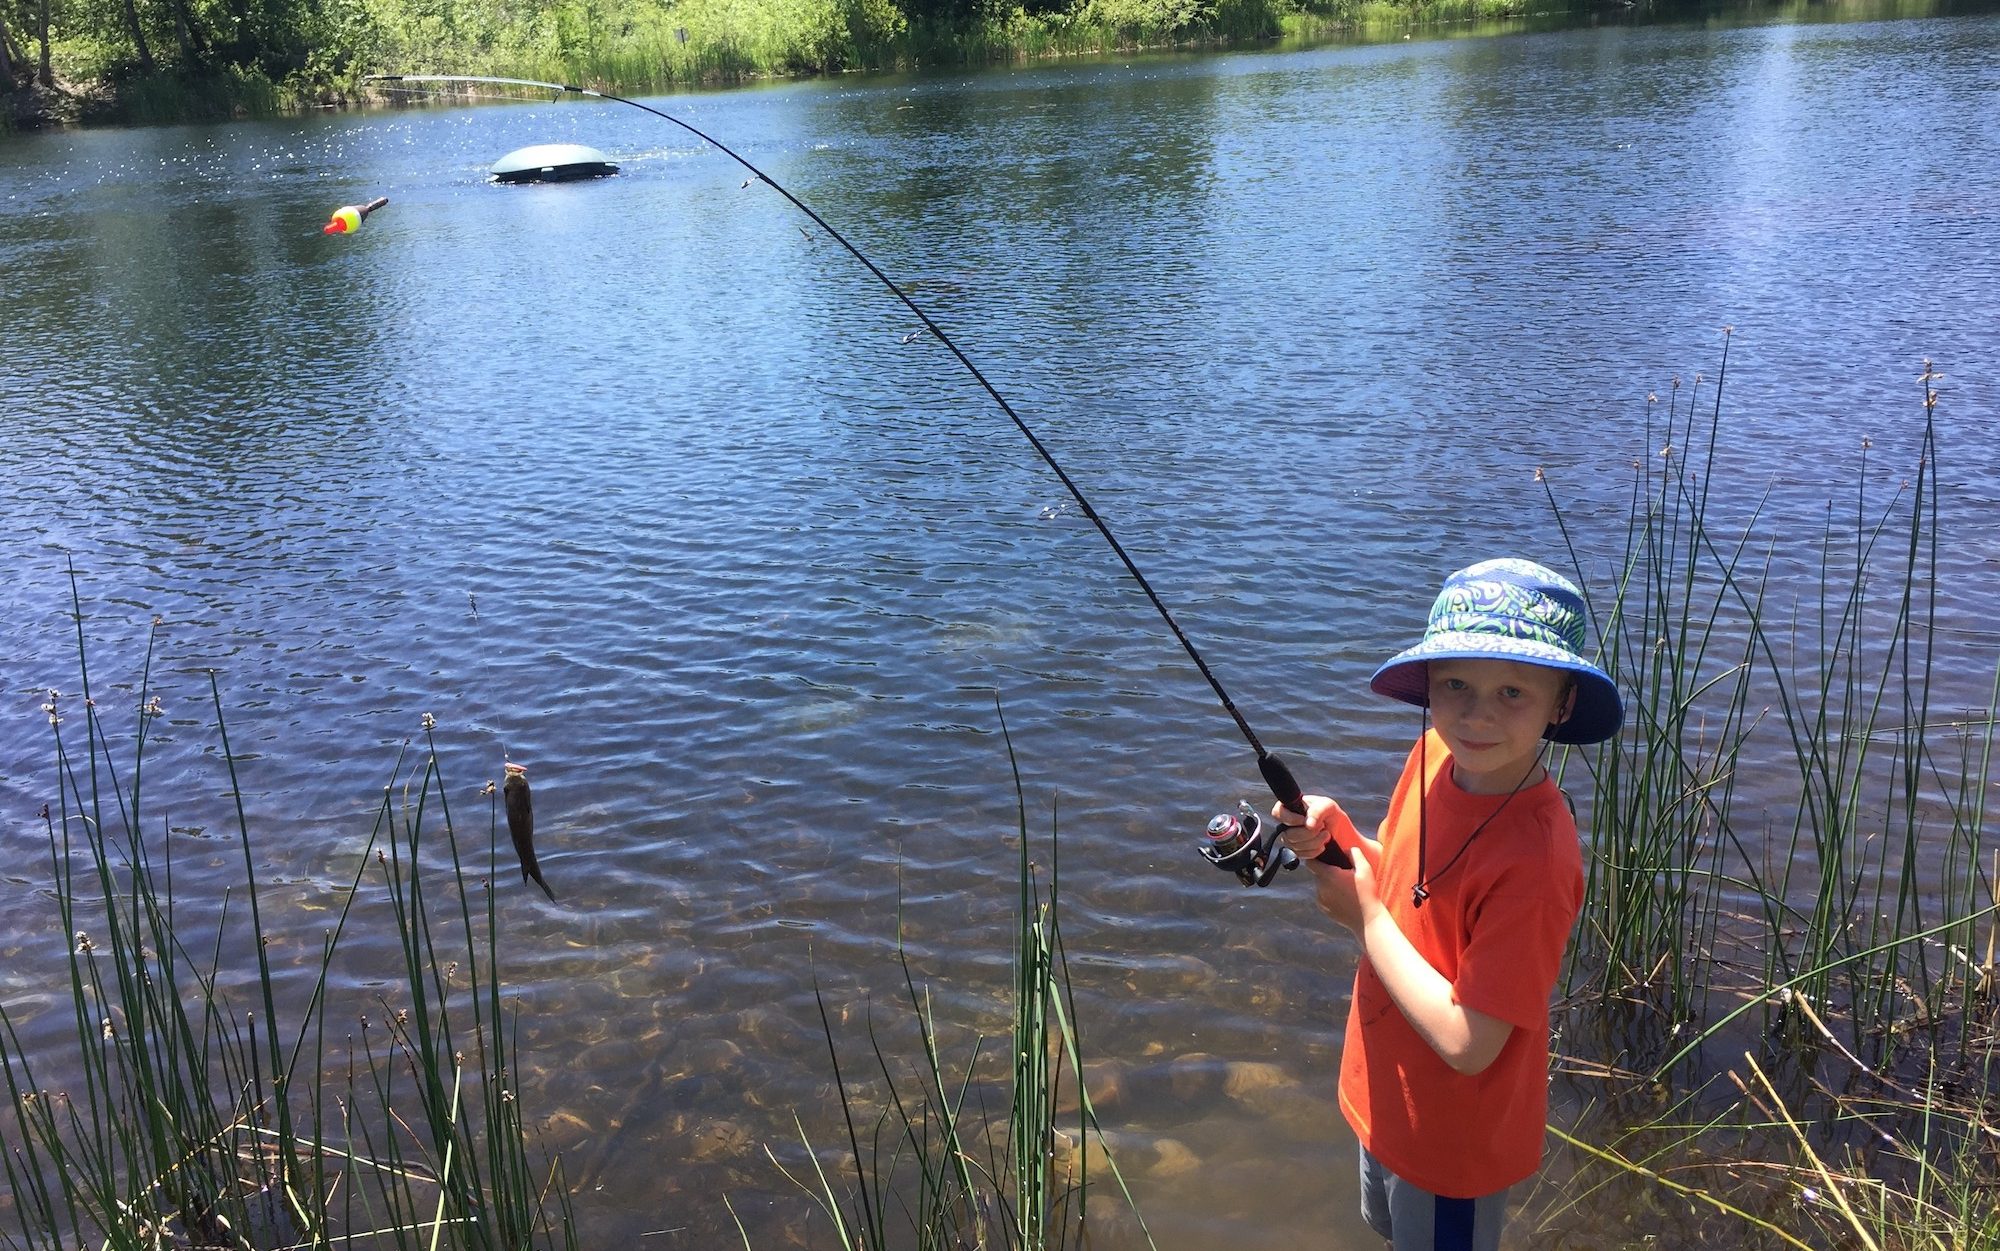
(1278, 776)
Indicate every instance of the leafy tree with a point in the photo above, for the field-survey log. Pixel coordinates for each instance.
(949, 12)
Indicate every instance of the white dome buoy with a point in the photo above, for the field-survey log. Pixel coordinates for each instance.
(552, 162)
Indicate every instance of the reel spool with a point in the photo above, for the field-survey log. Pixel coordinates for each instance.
(1248, 846)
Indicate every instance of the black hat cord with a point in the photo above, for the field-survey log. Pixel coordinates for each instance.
(1421, 891)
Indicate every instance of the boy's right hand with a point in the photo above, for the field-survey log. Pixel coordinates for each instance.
(1322, 823)
(1310, 832)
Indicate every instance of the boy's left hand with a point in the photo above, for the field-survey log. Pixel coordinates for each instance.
(1367, 899)
(1349, 896)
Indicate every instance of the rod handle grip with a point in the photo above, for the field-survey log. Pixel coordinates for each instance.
(1278, 776)
(1334, 856)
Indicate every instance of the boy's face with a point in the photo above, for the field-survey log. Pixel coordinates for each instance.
(1492, 714)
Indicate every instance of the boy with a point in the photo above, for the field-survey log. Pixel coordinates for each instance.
(1464, 906)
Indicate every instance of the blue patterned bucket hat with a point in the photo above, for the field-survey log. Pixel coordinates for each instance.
(1510, 610)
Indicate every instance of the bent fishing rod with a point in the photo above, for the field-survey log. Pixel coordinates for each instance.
(1240, 843)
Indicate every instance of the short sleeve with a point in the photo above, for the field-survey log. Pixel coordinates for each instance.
(1517, 938)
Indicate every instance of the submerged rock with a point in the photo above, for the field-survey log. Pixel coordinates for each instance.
(1136, 1154)
(716, 1140)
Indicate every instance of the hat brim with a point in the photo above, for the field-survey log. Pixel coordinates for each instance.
(1596, 716)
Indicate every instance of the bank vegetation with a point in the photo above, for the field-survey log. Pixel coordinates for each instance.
(165, 60)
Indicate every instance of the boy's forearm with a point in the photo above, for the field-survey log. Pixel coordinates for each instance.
(1465, 1039)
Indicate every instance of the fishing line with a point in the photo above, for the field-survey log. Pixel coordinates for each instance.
(513, 792)
(1276, 774)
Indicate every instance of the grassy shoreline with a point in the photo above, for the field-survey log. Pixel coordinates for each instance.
(105, 69)
(662, 46)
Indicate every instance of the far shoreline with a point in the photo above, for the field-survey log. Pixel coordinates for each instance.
(171, 95)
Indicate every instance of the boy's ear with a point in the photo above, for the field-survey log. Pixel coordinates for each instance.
(1565, 703)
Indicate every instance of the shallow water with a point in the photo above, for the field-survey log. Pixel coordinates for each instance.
(637, 482)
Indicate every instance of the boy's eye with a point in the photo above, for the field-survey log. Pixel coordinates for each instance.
(1511, 692)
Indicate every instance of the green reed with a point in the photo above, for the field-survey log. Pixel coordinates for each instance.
(184, 1117)
(1835, 695)
(1807, 916)
(1659, 790)
(927, 1164)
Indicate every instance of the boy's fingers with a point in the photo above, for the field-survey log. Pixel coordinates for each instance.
(1305, 840)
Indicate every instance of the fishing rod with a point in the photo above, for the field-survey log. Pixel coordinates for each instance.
(1240, 842)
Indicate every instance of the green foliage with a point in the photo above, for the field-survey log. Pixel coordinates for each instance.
(876, 22)
(201, 58)
(1154, 17)
(170, 96)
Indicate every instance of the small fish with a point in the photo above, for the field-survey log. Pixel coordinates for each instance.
(521, 824)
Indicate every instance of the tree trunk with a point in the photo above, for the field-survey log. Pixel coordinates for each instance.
(243, 44)
(138, 36)
(48, 74)
(6, 59)
(17, 51)
(194, 48)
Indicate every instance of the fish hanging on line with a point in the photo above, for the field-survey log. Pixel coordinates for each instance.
(521, 824)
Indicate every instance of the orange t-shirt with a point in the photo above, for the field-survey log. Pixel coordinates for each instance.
(1495, 925)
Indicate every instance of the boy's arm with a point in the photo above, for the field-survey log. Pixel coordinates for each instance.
(1465, 1038)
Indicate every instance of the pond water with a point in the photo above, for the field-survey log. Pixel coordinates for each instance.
(640, 483)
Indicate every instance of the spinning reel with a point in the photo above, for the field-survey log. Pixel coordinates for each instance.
(1250, 846)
